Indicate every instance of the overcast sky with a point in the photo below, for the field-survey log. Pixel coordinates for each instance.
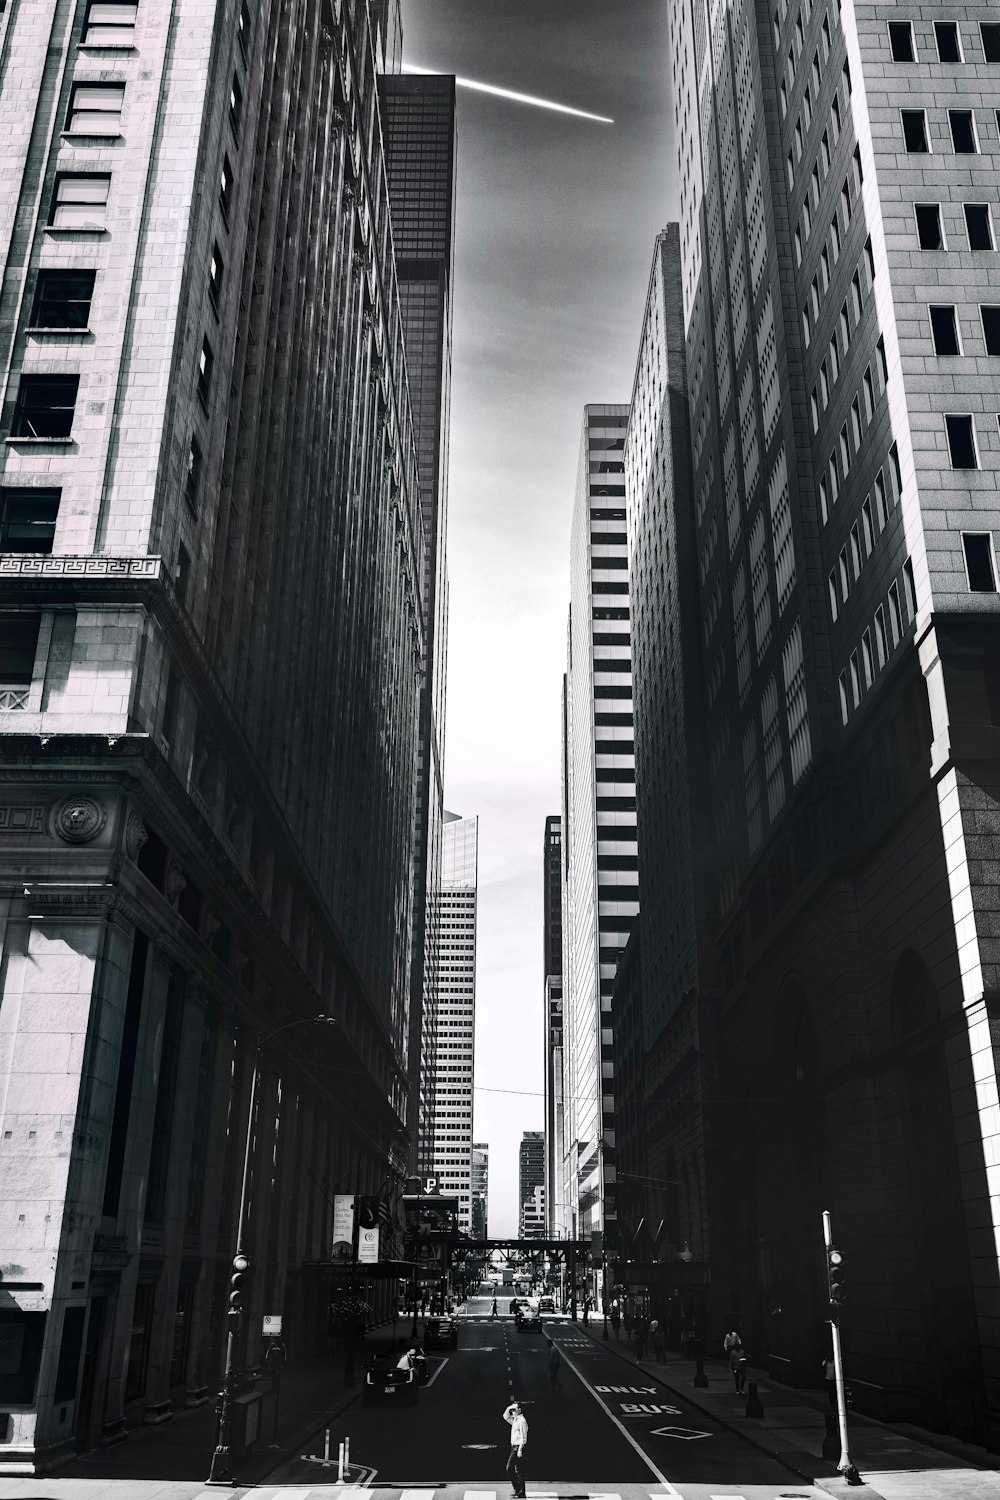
(556, 223)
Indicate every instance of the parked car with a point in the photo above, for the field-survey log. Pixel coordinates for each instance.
(397, 1375)
(441, 1333)
(527, 1320)
(546, 1304)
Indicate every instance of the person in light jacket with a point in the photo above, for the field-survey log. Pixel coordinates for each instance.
(517, 1422)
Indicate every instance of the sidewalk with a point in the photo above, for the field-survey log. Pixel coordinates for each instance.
(896, 1463)
(175, 1456)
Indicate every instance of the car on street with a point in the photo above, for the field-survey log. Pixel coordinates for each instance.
(397, 1375)
(441, 1333)
(527, 1319)
(546, 1304)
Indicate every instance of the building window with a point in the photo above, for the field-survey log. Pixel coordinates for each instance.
(895, 615)
(881, 502)
(845, 451)
(216, 266)
(80, 202)
(95, 108)
(45, 406)
(28, 519)
(963, 132)
(949, 47)
(834, 478)
(856, 301)
(62, 299)
(856, 423)
(18, 648)
(895, 471)
(831, 584)
(883, 363)
(844, 574)
(844, 707)
(824, 385)
(930, 235)
(915, 130)
(235, 106)
(192, 479)
(867, 526)
(991, 328)
(980, 564)
(855, 680)
(244, 29)
(225, 187)
(990, 32)
(962, 441)
(824, 266)
(824, 504)
(110, 23)
(868, 386)
(881, 639)
(944, 330)
(901, 41)
(206, 360)
(979, 226)
(814, 412)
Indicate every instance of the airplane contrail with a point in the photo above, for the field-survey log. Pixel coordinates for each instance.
(492, 88)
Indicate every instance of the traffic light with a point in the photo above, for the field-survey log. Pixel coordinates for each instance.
(238, 1288)
(367, 1213)
(836, 1276)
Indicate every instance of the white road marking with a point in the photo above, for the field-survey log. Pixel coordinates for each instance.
(437, 1372)
(660, 1478)
(297, 1494)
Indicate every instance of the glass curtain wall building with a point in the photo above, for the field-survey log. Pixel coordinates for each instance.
(420, 146)
(552, 1002)
(600, 892)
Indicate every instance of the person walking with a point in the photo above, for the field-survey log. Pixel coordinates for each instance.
(616, 1319)
(517, 1422)
(738, 1362)
(493, 1310)
(656, 1339)
(729, 1342)
(555, 1384)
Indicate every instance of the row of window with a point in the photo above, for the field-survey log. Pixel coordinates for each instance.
(863, 534)
(962, 128)
(877, 643)
(931, 232)
(820, 170)
(947, 41)
(946, 333)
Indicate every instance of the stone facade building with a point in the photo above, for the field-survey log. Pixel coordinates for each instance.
(211, 648)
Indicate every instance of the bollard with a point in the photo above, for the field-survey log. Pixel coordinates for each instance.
(700, 1378)
(340, 1463)
(347, 1457)
(754, 1407)
(831, 1439)
(326, 1446)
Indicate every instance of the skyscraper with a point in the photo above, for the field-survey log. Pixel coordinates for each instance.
(418, 115)
(480, 1190)
(663, 1037)
(531, 1184)
(600, 891)
(843, 416)
(210, 665)
(553, 1021)
(454, 1007)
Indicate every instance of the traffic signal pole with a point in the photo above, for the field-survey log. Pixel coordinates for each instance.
(845, 1466)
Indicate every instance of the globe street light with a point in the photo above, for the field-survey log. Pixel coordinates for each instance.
(221, 1471)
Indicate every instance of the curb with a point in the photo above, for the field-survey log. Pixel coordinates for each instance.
(723, 1421)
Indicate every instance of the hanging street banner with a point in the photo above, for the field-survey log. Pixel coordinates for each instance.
(367, 1246)
(343, 1227)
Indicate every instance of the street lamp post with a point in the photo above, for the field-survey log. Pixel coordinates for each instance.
(221, 1471)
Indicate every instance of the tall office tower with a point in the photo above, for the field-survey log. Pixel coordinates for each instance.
(600, 897)
(211, 645)
(662, 1036)
(530, 1176)
(418, 116)
(839, 327)
(532, 1226)
(480, 1190)
(553, 1019)
(454, 1009)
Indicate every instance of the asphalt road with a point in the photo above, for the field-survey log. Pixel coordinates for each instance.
(606, 1433)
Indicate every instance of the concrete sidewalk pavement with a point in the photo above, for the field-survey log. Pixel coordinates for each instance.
(899, 1462)
(171, 1460)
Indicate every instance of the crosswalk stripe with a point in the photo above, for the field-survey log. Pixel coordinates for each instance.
(480, 1495)
(725, 1497)
(295, 1494)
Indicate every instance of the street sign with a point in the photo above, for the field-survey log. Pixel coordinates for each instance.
(272, 1326)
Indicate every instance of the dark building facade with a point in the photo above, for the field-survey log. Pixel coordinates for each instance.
(552, 1001)
(844, 454)
(418, 116)
(211, 656)
(531, 1183)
